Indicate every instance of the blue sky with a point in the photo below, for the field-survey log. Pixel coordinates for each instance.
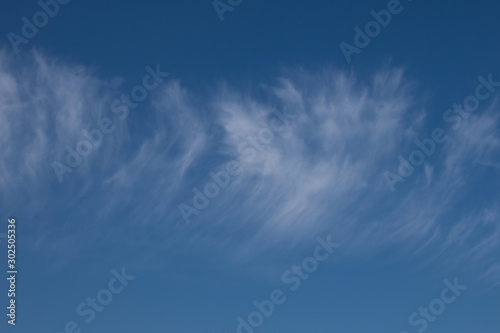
(297, 143)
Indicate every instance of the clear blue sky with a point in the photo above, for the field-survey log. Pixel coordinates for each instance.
(302, 143)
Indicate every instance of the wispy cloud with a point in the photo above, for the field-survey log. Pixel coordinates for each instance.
(322, 173)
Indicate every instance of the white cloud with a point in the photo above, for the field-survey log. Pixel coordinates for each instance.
(323, 173)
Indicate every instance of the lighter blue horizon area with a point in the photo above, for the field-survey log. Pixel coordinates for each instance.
(242, 166)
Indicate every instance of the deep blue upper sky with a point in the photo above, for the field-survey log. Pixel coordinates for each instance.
(441, 42)
(324, 174)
